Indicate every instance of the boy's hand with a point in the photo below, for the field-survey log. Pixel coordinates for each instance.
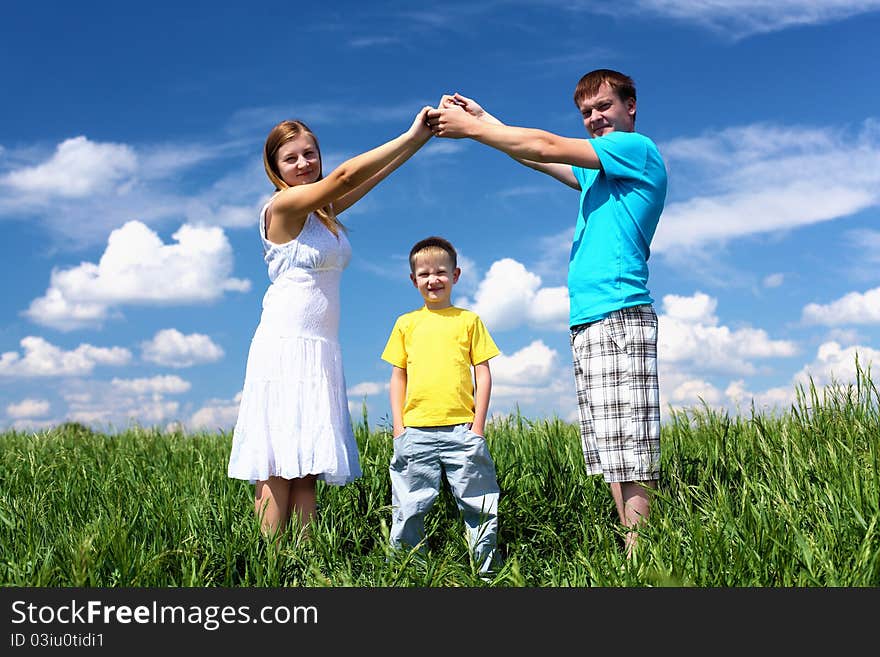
(480, 431)
(396, 431)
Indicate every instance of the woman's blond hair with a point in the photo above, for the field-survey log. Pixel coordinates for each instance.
(280, 135)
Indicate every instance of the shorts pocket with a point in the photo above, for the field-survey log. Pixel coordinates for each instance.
(398, 447)
(614, 327)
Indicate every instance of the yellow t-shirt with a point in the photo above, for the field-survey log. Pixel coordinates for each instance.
(437, 348)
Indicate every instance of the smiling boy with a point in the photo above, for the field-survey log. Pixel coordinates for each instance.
(439, 415)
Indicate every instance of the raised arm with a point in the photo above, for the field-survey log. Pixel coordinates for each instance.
(420, 127)
(482, 392)
(292, 204)
(561, 172)
(398, 397)
(520, 143)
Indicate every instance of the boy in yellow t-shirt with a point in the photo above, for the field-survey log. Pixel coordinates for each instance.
(439, 416)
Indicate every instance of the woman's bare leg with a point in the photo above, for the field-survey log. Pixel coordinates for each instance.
(272, 505)
(303, 502)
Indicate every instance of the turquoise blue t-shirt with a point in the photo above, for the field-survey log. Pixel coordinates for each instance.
(620, 206)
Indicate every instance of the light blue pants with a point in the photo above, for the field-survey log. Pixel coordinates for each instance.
(421, 456)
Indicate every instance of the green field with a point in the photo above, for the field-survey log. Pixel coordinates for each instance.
(766, 500)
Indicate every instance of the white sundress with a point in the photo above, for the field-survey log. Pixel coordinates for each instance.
(293, 418)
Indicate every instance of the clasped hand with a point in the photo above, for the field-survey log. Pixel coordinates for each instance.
(453, 116)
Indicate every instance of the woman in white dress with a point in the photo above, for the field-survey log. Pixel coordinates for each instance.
(293, 424)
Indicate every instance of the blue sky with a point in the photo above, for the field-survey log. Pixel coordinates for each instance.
(131, 179)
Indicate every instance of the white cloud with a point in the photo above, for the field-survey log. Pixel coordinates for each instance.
(779, 398)
(137, 268)
(757, 179)
(443, 147)
(470, 275)
(216, 414)
(732, 19)
(739, 214)
(680, 390)
(233, 201)
(153, 412)
(77, 397)
(533, 364)
(78, 168)
(863, 263)
(160, 161)
(553, 252)
(510, 296)
(773, 280)
(373, 41)
(367, 389)
(155, 385)
(522, 190)
(118, 403)
(331, 113)
(94, 417)
(867, 243)
(852, 308)
(737, 19)
(689, 332)
(356, 409)
(171, 348)
(844, 336)
(532, 374)
(28, 408)
(29, 424)
(54, 309)
(834, 363)
(549, 308)
(204, 211)
(86, 188)
(693, 391)
(44, 359)
(696, 309)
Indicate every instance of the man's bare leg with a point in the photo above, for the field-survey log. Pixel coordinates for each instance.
(634, 508)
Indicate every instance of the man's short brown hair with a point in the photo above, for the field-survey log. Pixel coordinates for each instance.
(588, 86)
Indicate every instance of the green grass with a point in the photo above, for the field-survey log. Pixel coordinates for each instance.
(766, 500)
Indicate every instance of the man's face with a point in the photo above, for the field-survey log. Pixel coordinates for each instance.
(605, 112)
(434, 276)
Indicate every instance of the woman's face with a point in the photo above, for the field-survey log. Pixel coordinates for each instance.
(299, 161)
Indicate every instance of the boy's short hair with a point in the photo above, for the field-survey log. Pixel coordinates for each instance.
(432, 246)
(588, 86)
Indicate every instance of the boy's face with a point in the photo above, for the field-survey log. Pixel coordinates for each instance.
(605, 113)
(434, 277)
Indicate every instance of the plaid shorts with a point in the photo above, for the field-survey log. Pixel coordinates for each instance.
(615, 371)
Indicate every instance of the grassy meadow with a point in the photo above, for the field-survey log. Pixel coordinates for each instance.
(756, 500)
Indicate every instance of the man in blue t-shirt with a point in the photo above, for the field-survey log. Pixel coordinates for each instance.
(622, 180)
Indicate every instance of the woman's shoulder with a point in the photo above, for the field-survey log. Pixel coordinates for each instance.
(268, 217)
(268, 203)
